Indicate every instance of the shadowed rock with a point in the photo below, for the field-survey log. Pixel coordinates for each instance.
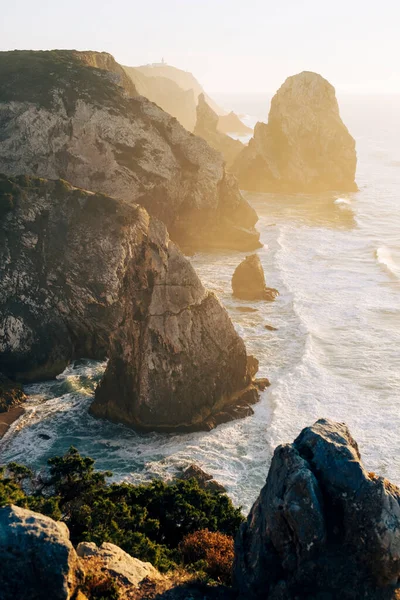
(83, 274)
(305, 147)
(62, 118)
(11, 394)
(322, 527)
(205, 481)
(37, 559)
(207, 128)
(248, 281)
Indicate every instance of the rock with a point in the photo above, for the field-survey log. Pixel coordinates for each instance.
(205, 481)
(262, 383)
(81, 124)
(37, 559)
(83, 274)
(44, 436)
(126, 569)
(232, 124)
(271, 328)
(246, 309)
(11, 394)
(248, 281)
(207, 128)
(305, 147)
(322, 527)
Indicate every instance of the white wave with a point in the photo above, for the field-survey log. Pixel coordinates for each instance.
(343, 201)
(385, 258)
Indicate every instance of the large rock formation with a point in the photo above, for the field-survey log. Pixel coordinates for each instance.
(167, 94)
(82, 274)
(37, 559)
(248, 281)
(60, 118)
(305, 147)
(232, 124)
(207, 128)
(322, 527)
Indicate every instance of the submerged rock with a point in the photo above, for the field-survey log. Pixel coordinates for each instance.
(62, 118)
(207, 128)
(83, 274)
(248, 281)
(305, 147)
(322, 527)
(37, 559)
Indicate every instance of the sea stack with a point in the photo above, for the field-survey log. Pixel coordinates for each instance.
(207, 128)
(304, 147)
(248, 281)
(322, 527)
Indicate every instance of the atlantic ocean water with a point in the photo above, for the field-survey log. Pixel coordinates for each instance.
(335, 258)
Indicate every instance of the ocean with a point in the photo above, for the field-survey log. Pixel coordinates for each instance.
(335, 258)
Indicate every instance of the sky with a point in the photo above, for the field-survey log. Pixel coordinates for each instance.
(234, 46)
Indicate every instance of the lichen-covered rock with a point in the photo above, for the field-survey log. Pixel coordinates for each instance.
(305, 147)
(248, 281)
(37, 560)
(83, 274)
(60, 118)
(116, 563)
(207, 128)
(322, 527)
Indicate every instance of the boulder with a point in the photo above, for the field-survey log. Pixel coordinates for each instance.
(112, 561)
(205, 481)
(248, 281)
(305, 147)
(83, 274)
(61, 116)
(322, 527)
(207, 128)
(37, 560)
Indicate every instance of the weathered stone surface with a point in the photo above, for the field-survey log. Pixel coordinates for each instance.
(322, 527)
(11, 394)
(37, 559)
(205, 481)
(248, 281)
(60, 118)
(126, 569)
(207, 128)
(87, 275)
(305, 147)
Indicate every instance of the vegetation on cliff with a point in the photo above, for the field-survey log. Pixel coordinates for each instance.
(148, 521)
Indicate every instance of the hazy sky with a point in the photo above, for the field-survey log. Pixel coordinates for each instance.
(230, 45)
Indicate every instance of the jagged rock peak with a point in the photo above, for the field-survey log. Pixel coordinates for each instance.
(207, 128)
(248, 281)
(84, 274)
(322, 527)
(60, 118)
(305, 147)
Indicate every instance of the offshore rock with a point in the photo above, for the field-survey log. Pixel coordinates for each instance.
(60, 118)
(207, 128)
(322, 527)
(248, 281)
(305, 147)
(205, 481)
(37, 560)
(83, 274)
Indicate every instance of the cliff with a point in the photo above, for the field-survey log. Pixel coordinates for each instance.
(207, 128)
(83, 274)
(322, 527)
(232, 124)
(60, 118)
(167, 95)
(305, 147)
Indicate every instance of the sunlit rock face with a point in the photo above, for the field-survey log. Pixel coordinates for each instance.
(83, 274)
(322, 526)
(60, 118)
(207, 128)
(305, 147)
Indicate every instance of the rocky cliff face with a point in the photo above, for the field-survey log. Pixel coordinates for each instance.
(167, 94)
(207, 128)
(232, 124)
(305, 147)
(322, 527)
(60, 118)
(83, 274)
